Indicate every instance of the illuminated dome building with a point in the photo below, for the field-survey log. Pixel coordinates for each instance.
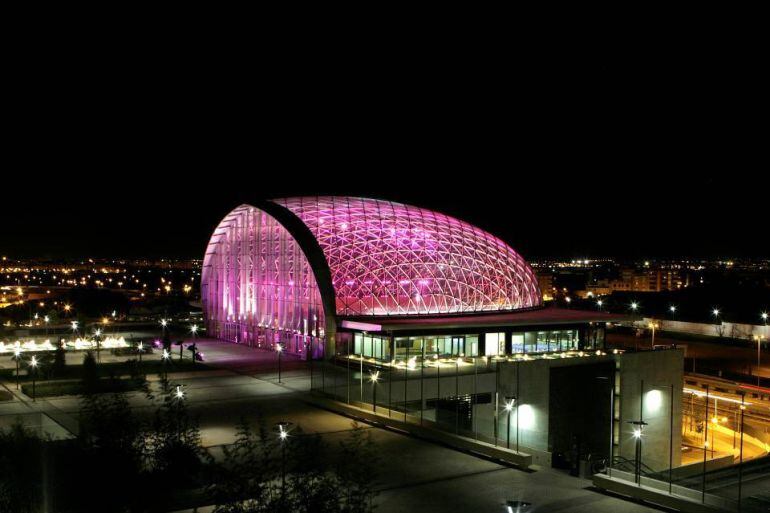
(290, 270)
(448, 315)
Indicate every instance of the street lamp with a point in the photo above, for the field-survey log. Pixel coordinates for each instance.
(634, 306)
(74, 325)
(283, 434)
(179, 394)
(279, 350)
(653, 325)
(758, 338)
(33, 363)
(194, 331)
(672, 309)
(17, 357)
(599, 304)
(764, 317)
(637, 433)
(165, 357)
(140, 350)
(46, 320)
(510, 401)
(374, 377)
(97, 338)
(715, 313)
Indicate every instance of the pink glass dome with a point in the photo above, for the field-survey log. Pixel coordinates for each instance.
(387, 258)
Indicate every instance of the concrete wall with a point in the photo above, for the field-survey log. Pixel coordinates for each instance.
(724, 329)
(658, 370)
(534, 396)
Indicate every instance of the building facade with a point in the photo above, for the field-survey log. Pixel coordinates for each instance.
(423, 317)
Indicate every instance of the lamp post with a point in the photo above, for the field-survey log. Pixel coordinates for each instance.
(17, 357)
(510, 401)
(165, 356)
(374, 376)
(33, 364)
(163, 325)
(764, 317)
(638, 426)
(46, 320)
(705, 443)
(194, 331)
(599, 304)
(283, 434)
(179, 393)
(634, 307)
(652, 326)
(279, 350)
(74, 325)
(758, 338)
(139, 351)
(672, 309)
(740, 461)
(97, 338)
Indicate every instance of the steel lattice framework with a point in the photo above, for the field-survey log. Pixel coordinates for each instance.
(388, 258)
(257, 286)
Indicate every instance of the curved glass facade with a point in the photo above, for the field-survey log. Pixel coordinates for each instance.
(257, 286)
(388, 258)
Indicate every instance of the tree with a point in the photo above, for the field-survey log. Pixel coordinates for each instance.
(250, 480)
(21, 470)
(242, 484)
(111, 452)
(359, 461)
(173, 449)
(59, 360)
(90, 377)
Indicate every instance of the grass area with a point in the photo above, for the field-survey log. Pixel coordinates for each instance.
(56, 388)
(111, 369)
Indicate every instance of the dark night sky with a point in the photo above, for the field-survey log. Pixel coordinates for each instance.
(569, 156)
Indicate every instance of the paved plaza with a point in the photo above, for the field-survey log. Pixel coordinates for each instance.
(415, 475)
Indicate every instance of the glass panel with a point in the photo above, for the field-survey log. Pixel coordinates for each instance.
(472, 344)
(495, 344)
(517, 343)
(357, 345)
(530, 339)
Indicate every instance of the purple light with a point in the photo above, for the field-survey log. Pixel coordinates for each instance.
(371, 244)
(385, 258)
(257, 285)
